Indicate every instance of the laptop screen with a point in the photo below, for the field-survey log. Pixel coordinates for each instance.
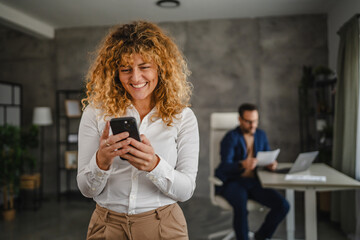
(303, 161)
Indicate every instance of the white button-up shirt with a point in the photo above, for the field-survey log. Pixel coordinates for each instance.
(125, 189)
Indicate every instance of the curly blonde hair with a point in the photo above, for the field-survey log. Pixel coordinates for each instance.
(104, 89)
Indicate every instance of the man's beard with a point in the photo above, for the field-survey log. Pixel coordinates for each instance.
(247, 131)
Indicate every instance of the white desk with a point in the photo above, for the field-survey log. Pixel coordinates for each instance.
(335, 180)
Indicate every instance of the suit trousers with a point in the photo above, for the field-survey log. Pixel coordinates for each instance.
(167, 222)
(238, 191)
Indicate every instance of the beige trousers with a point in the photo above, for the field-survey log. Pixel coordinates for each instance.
(167, 222)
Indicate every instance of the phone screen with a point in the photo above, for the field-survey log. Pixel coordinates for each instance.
(125, 124)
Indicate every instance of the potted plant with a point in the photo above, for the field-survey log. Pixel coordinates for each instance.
(30, 178)
(14, 155)
(323, 73)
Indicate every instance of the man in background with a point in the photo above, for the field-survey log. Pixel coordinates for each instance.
(237, 170)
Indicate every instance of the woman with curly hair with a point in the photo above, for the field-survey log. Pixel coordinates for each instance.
(138, 72)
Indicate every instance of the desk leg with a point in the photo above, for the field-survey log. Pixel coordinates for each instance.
(290, 218)
(310, 214)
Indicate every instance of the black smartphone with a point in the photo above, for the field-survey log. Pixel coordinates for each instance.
(125, 124)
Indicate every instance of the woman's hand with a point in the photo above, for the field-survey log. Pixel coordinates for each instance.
(110, 147)
(141, 154)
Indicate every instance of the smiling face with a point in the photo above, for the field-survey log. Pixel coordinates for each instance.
(139, 78)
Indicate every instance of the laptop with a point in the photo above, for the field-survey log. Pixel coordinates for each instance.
(302, 163)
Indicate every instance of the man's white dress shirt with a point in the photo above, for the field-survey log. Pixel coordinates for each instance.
(125, 189)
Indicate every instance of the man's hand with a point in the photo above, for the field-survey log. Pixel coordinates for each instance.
(272, 166)
(249, 163)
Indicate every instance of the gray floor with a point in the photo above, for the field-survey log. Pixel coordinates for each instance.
(68, 220)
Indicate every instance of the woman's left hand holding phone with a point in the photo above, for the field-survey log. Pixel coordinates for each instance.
(111, 147)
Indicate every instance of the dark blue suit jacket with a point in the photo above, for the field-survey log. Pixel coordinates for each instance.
(233, 150)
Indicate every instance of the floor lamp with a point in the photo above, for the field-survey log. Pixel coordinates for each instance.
(42, 117)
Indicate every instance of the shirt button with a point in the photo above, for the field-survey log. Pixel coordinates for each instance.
(93, 189)
(132, 197)
(151, 177)
(134, 177)
(99, 174)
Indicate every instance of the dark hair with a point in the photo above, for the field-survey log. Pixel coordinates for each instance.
(247, 107)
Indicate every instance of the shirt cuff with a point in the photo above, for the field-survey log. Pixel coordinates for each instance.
(162, 172)
(97, 172)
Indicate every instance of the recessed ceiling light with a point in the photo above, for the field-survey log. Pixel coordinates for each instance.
(168, 3)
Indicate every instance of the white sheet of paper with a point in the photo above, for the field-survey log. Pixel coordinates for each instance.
(266, 158)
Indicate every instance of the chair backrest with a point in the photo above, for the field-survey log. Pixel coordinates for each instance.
(220, 124)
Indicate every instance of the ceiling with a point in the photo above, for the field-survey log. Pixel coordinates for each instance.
(43, 17)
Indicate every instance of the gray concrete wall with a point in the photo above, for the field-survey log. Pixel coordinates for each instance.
(30, 62)
(232, 61)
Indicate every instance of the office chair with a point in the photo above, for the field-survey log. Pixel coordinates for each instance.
(220, 124)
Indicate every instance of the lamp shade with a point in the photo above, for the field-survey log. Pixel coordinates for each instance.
(42, 116)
